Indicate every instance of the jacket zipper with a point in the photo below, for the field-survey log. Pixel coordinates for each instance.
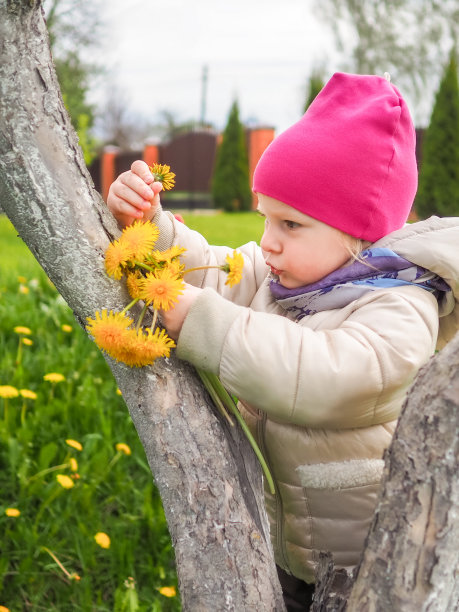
(261, 428)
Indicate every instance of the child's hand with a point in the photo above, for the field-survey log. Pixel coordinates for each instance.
(134, 195)
(173, 319)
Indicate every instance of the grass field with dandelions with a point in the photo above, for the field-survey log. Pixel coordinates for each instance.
(81, 522)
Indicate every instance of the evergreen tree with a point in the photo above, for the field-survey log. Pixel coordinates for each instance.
(316, 83)
(438, 192)
(230, 186)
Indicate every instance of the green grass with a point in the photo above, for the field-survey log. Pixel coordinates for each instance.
(52, 539)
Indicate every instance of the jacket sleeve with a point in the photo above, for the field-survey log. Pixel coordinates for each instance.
(352, 376)
(199, 253)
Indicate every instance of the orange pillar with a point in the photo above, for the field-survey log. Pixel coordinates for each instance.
(151, 154)
(258, 140)
(107, 169)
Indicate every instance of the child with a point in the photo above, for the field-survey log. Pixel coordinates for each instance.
(335, 314)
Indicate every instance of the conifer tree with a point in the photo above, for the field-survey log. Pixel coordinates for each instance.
(438, 192)
(316, 83)
(230, 186)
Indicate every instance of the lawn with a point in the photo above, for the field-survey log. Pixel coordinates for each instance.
(81, 522)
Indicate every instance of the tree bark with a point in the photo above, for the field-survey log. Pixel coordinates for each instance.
(411, 558)
(207, 475)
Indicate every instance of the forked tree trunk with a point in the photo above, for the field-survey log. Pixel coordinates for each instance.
(206, 473)
(208, 478)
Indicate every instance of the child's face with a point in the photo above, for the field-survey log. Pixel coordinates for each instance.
(298, 248)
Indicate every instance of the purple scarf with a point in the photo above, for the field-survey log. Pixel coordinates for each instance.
(383, 269)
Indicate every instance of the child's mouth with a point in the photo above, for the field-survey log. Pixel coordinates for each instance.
(275, 270)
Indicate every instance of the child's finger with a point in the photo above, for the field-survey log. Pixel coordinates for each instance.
(141, 169)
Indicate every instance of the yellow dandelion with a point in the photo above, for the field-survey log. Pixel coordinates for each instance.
(8, 392)
(168, 255)
(13, 512)
(109, 330)
(168, 591)
(4, 609)
(65, 481)
(102, 539)
(73, 464)
(161, 289)
(233, 267)
(133, 283)
(176, 268)
(118, 392)
(27, 341)
(140, 238)
(74, 444)
(28, 394)
(123, 448)
(163, 174)
(54, 377)
(117, 257)
(20, 329)
(22, 279)
(66, 328)
(23, 289)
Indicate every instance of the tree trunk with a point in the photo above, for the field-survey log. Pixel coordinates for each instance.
(207, 475)
(411, 556)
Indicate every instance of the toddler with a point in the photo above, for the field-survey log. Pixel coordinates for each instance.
(337, 310)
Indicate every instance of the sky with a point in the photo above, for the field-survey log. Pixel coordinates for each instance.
(260, 52)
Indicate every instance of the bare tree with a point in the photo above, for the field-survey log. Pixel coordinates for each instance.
(206, 473)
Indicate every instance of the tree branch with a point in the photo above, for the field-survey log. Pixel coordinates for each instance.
(207, 475)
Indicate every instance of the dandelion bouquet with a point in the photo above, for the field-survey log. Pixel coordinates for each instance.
(155, 278)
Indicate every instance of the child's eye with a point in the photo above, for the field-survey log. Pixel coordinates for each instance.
(292, 224)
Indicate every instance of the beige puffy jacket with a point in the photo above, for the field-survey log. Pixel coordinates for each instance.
(322, 396)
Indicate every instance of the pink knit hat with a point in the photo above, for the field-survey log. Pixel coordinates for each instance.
(350, 161)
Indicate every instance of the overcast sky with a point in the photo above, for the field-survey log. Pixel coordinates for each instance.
(258, 51)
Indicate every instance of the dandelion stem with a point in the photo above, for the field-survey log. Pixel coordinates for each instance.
(155, 318)
(226, 398)
(130, 305)
(200, 268)
(205, 377)
(49, 470)
(141, 317)
(143, 265)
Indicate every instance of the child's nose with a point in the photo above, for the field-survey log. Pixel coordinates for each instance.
(269, 242)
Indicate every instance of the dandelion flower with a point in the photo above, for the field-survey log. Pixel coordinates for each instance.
(20, 329)
(13, 512)
(66, 328)
(4, 609)
(22, 279)
(23, 289)
(65, 481)
(118, 392)
(73, 464)
(169, 254)
(140, 238)
(234, 267)
(8, 392)
(28, 394)
(110, 331)
(27, 341)
(123, 448)
(168, 591)
(102, 539)
(163, 174)
(133, 283)
(54, 377)
(161, 289)
(117, 257)
(74, 444)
